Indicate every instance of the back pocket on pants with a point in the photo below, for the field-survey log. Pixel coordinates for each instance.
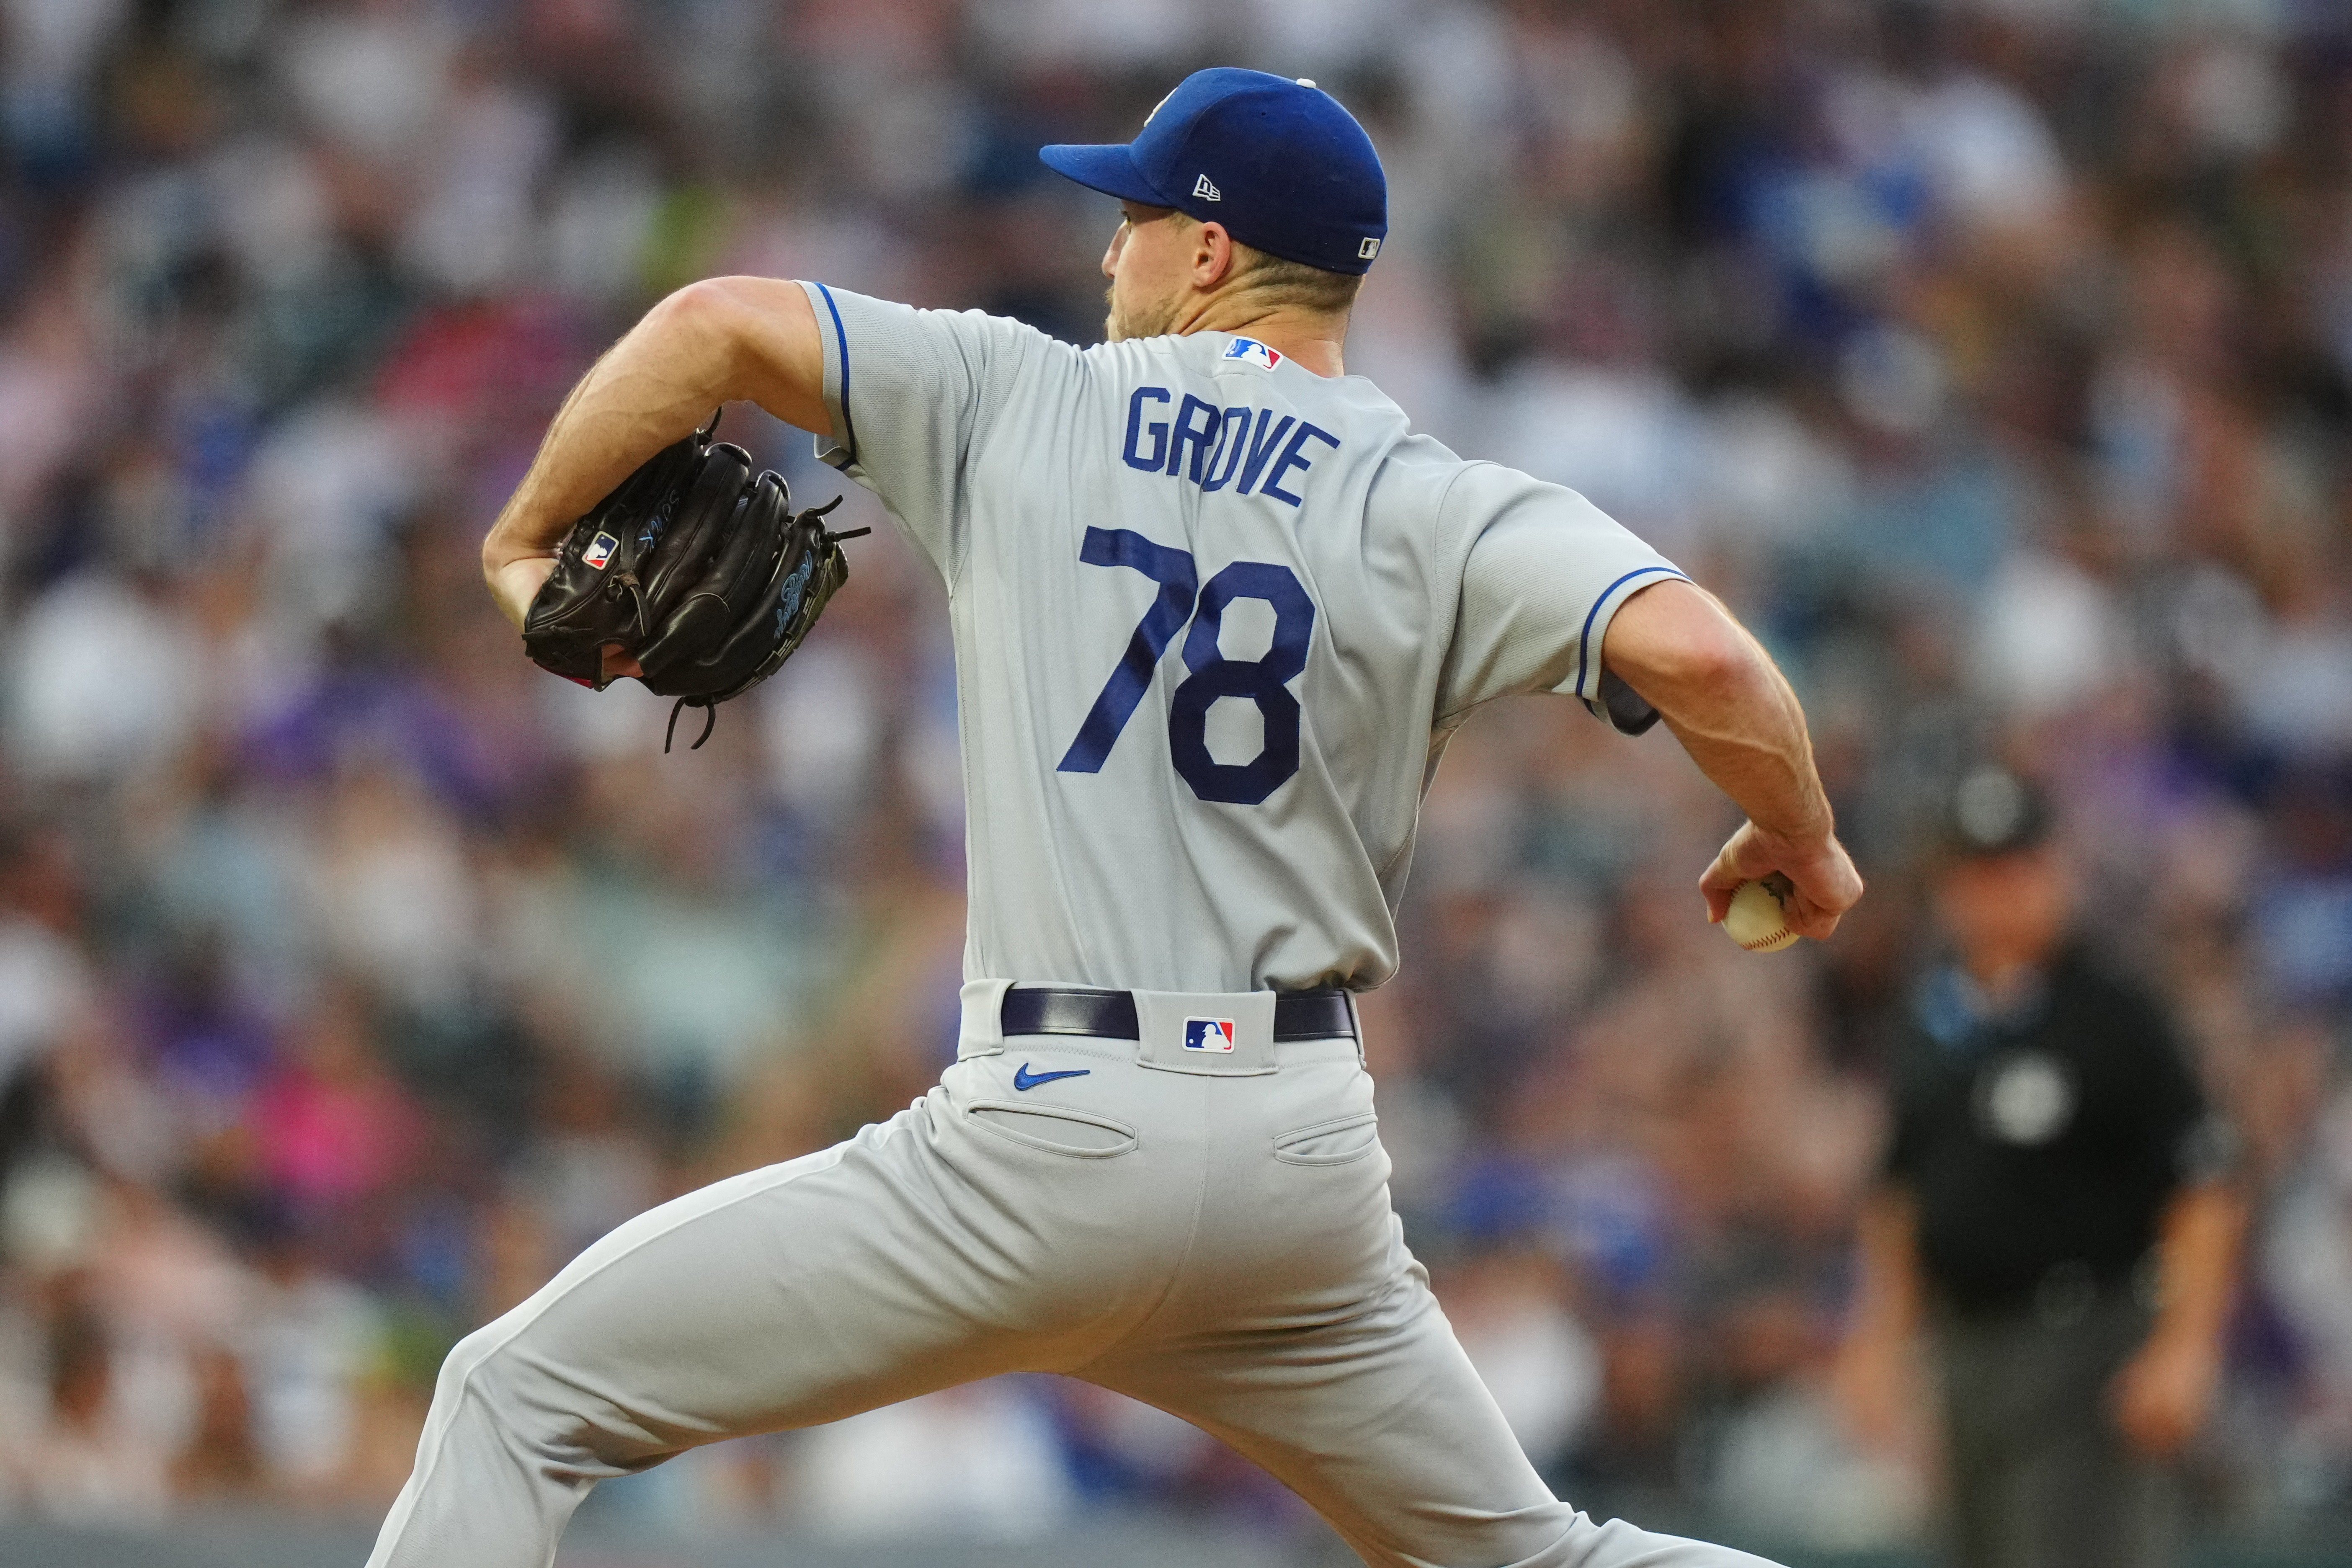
(1053, 1130)
(1333, 1143)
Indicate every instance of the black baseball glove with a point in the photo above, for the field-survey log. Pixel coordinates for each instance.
(695, 567)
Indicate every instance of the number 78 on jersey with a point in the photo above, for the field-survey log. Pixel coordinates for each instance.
(1213, 447)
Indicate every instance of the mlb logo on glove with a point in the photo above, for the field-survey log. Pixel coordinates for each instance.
(600, 551)
(1209, 1034)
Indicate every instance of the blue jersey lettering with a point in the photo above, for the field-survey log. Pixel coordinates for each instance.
(1215, 446)
(1293, 457)
(1136, 427)
(1262, 448)
(1231, 431)
(1200, 438)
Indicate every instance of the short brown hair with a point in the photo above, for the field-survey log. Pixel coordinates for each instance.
(1271, 280)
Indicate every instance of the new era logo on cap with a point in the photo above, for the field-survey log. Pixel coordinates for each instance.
(1206, 190)
(600, 550)
(1209, 1034)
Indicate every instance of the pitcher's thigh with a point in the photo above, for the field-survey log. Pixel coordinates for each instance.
(783, 1297)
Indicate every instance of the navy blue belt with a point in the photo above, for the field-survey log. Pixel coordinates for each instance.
(1111, 1014)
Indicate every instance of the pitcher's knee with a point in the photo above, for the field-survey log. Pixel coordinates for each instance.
(500, 1377)
(490, 1380)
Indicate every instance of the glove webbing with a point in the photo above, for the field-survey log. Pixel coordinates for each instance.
(710, 705)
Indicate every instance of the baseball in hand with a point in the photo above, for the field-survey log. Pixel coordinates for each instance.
(1755, 921)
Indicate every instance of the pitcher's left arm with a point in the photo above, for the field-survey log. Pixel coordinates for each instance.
(722, 340)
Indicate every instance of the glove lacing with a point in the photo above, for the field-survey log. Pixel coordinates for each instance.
(710, 705)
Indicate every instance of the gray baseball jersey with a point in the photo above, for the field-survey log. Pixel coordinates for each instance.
(1214, 616)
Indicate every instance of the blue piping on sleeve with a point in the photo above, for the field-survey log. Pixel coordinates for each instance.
(1584, 637)
(848, 421)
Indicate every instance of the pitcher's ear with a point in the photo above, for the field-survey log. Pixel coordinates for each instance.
(1214, 258)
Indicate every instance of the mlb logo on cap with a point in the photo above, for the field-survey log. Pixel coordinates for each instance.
(600, 550)
(1209, 1034)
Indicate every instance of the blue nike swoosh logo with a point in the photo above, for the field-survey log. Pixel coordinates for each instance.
(1023, 1078)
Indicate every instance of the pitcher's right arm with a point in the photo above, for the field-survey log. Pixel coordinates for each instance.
(1730, 706)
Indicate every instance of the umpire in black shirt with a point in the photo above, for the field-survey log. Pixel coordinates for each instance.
(2055, 1213)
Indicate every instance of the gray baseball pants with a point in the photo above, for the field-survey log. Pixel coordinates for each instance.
(1212, 1237)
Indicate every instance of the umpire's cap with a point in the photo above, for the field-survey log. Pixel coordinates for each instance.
(1277, 161)
(1992, 811)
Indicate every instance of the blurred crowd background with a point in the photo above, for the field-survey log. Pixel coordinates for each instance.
(1993, 357)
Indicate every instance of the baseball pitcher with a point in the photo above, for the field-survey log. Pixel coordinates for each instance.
(1216, 610)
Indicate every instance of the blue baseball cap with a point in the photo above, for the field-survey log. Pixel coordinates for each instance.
(1279, 163)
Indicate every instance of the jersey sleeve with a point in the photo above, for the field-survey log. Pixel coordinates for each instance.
(1544, 572)
(912, 393)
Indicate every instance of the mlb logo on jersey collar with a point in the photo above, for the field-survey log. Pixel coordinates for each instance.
(1249, 350)
(1209, 1034)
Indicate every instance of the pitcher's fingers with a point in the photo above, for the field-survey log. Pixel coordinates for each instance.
(1818, 905)
(1723, 877)
(1809, 919)
(1717, 885)
(1833, 887)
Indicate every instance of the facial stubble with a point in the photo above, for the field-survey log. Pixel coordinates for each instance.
(1154, 322)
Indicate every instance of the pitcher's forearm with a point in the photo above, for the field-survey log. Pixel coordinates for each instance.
(1746, 733)
(715, 342)
(657, 384)
(632, 403)
(1722, 698)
